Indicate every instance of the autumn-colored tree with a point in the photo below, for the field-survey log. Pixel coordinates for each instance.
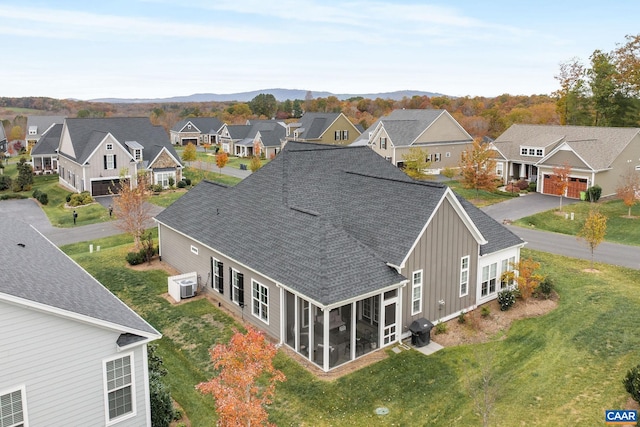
(221, 160)
(246, 381)
(254, 163)
(206, 146)
(189, 153)
(415, 162)
(524, 273)
(478, 167)
(130, 207)
(628, 188)
(560, 180)
(16, 133)
(593, 230)
(449, 172)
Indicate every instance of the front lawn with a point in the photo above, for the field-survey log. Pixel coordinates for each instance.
(562, 368)
(210, 157)
(620, 228)
(479, 198)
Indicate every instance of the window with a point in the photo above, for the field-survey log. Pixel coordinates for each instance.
(218, 272)
(137, 154)
(194, 250)
(437, 157)
(260, 299)
(109, 147)
(523, 151)
(539, 152)
(12, 413)
(336, 135)
(447, 154)
(416, 292)
(464, 275)
(237, 287)
(532, 151)
(499, 167)
(110, 161)
(507, 265)
(345, 135)
(119, 384)
(162, 178)
(371, 308)
(489, 273)
(383, 143)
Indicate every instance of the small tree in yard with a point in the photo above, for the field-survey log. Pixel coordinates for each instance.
(527, 277)
(131, 209)
(246, 381)
(255, 163)
(449, 173)
(560, 179)
(477, 168)
(594, 230)
(415, 162)
(189, 153)
(628, 188)
(632, 383)
(206, 146)
(25, 175)
(221, 160)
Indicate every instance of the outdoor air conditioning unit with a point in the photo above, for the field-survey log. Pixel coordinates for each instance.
(187, 288)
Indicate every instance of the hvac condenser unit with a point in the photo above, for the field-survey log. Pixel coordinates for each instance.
(187, 288)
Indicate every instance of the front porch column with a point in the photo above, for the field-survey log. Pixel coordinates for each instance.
(510, 176)
(522, 173)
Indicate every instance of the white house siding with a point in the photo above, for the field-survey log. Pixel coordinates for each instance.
(487, 260)
(438, 253)
(184, 260)
(444, 128)
(60, 363)
(96, 171)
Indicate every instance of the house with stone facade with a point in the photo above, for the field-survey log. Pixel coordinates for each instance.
(196, 131)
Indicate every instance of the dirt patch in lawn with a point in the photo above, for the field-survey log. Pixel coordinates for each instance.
(155, 264)
(478, 329)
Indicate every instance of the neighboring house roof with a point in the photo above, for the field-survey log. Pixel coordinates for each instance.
(205, 125)
(271, 132)
(404, 127)
(37, 274)
(313, 125)
(598, 147)
(3, 136)
(48, 143)
(87, 134)
(336, 215)
(40, 124)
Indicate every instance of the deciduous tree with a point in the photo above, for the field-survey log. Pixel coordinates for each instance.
(189, 153)
(560, 180)
(525, 274)
(255, 163)
(593, 230)
(246, 381)
(221, 160)
(629, 188)
(415, 162)
(477, 167)
(130, 207)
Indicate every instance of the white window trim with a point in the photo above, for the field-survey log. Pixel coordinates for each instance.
(23, 398)
(109, 146)
(235, 289)
(194, 250)
(462, 269)
(416, 286)
(263, 307)
(111, 161)
(106, 390)
(499, 168)
(216, 276)
(489, 278)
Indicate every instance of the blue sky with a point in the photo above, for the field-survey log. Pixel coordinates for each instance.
(162, 48)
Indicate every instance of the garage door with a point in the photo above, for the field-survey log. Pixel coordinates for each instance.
(104, 188)
(576, 185)
(187, 141)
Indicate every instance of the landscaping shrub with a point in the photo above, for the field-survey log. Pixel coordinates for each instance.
(440, 328)
(79, 199)
(5, 183)
(546, 287)
(506, 299)
(43, 198)
(9, 196)
(68, 198)
(632, 383)
(181, 184)
(485, 311)
(36, 193)
(461, 317)
(135, 258)
(172, 181)
(532, 187)
(187, 180)
(157, 188)
(594, 193)
(522, 184)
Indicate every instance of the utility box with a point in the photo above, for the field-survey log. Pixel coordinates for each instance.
(421, 332)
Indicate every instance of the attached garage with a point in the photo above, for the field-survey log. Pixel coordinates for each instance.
(104, 187)
(187, 141)
(576, 185)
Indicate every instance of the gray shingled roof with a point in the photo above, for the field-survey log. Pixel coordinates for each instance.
(271, 132)
(86, 135)
(315, 124)
(42, 123)
(335, 216)
(598, 146)
(48, 142)
(33, 269)
(206, 125)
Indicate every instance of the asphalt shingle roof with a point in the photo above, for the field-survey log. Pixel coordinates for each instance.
(315, 124)
(331, 219)
(33, 269)
(41, 123)
(206, 125)
(48, 142)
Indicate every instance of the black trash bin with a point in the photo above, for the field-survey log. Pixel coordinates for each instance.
(420, 332)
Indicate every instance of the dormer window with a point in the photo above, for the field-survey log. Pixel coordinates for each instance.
(137, 154)
(532, 151)
(109, 147)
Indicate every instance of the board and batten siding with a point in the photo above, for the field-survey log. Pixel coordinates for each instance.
(60, 363)
(438, 253)
(184, 260)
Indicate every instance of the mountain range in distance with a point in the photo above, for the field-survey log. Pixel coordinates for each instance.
(279, 94)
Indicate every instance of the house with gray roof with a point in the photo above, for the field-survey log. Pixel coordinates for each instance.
(4, 145)
(37, 126)
(435, 131)
(596, 155)
(44, 154)
(323, 128)
(95, 154)
(334, 252)
(72, 353)
(256, 137)
(196, 131)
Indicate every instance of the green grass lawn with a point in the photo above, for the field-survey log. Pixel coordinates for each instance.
(479, 198)
(197, 175)
(210, 157)
(564, 368)
(620, 228)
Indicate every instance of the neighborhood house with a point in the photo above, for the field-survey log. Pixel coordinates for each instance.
(334, 252)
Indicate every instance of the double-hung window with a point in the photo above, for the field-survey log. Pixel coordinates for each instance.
(119, 387)
(109, 161)
(237, 287)
(383, 143)
(260, 301)
(345, 135)
(488, 285)
(464, 275)
(416, 292)
(507, 266)
(218, 271)
(12, 412)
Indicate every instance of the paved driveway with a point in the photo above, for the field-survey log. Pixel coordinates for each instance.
(519, 207)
